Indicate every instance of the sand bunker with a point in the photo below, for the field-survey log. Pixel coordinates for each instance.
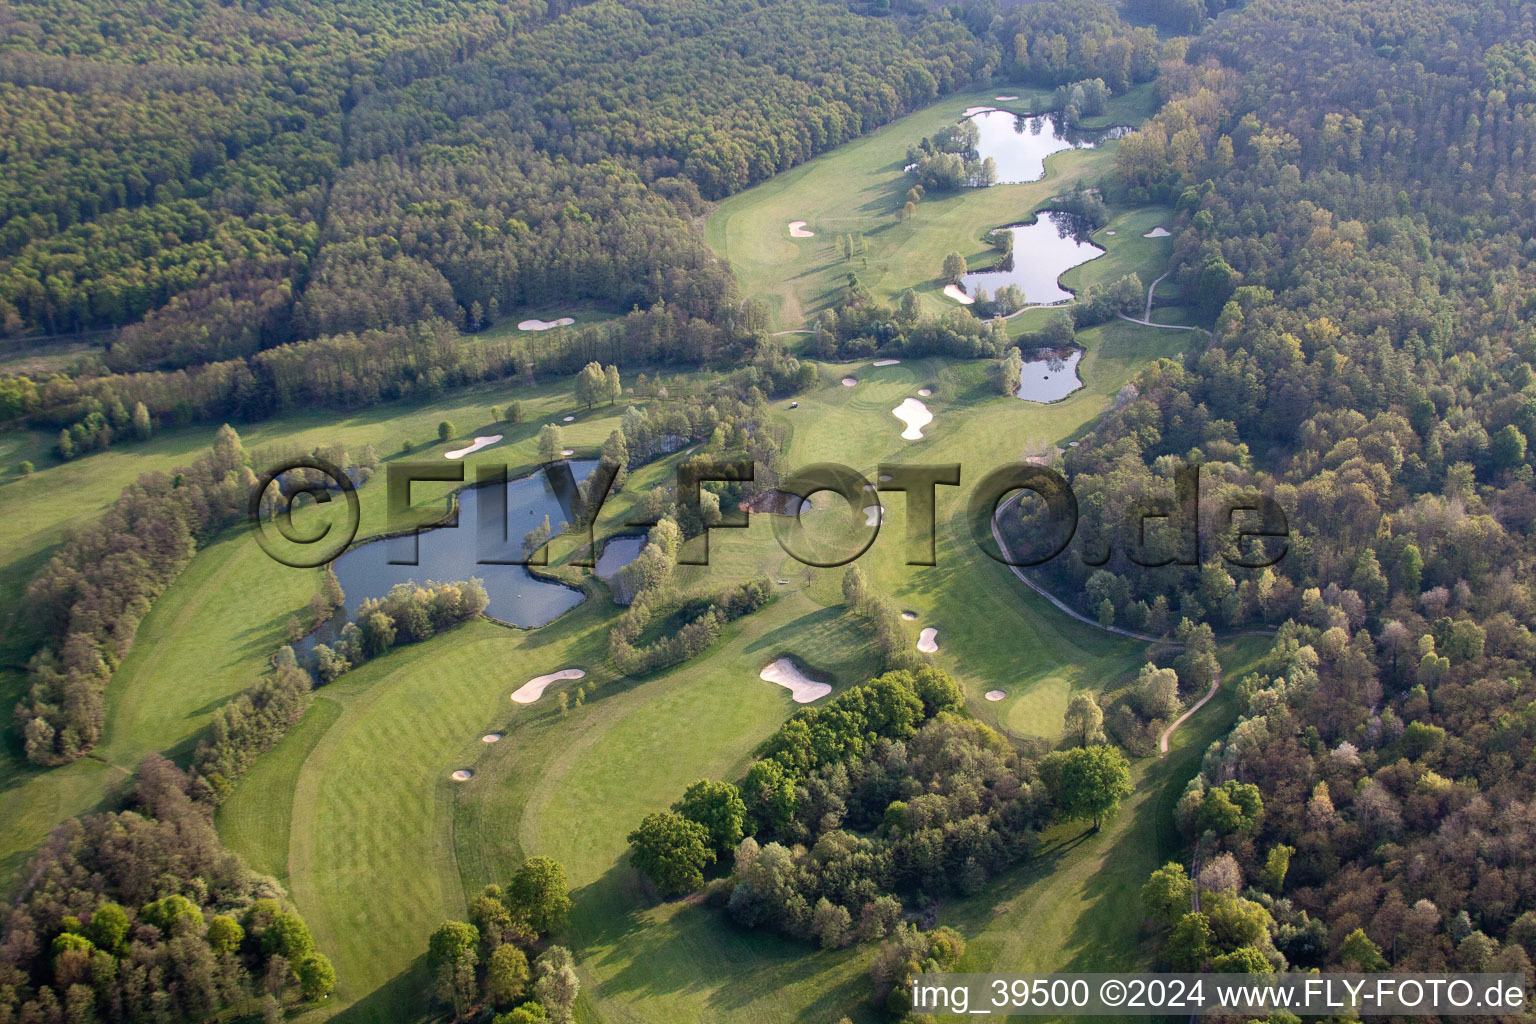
(885, 478)
(1158, 232)
(491, 737)
(567, 452)
(533, 689)
(849, 382)
(1109, 232)
(1005, 98)
(480, 442)
(544, 325)
(568, 419)
(954, 292)
(995, 695)
(463, 775)
(886, 362)
(928, 640)
(915, 415)
(797, 230)
(872, 514)
(802, 689)
(909, 616)
(925, 392)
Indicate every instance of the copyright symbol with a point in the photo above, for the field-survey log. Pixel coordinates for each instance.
(281, 521)
(1112, 992)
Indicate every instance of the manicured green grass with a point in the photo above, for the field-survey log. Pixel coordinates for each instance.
(355, 808)
(859, 188)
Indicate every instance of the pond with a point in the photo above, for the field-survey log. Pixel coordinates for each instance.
(617, 553)
(449, 554)
(1050, 379)
(1020, 144)
(1042, 252)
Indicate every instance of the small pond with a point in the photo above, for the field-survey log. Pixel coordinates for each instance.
(1050, 379)
(1020, 144)
(617, 553)
(450, 554)
(1042, 252)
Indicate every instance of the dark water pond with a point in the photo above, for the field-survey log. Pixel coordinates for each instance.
(1042, 252)
(1050, 379)
(472, 548)
(1019, 145)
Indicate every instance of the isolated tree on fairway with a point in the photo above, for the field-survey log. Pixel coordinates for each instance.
(513, 413)
(539, 894)
(591, 385)
(551, 442)
(1007, 370)
(719, 808)
(1087, 783)
(672, 851)
(954, 268)
(613, 389)
(1085, 719)
(444, 430)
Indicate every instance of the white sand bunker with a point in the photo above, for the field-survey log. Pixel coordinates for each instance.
(568, 419)
(954, 292)
(1109, 232)
(915, 415)
(849, 382)
(909, 616)
(797, 230)
(1005, 98)
(463, 775)
(995, 695)
(886, 362)
(928, 640)
(544, 325)
(567, 452)
(802, 689)
(872, 514)
(491, 737)
(480, 442)
(885, 478)
(533, 689)
(1158, 232)
(925, 392)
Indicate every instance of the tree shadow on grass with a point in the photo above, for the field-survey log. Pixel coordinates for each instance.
(402, 998)
(696, 951)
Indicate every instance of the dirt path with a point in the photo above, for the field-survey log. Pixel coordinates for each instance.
(1060, 605)
(1147, 316)
(1162, 741)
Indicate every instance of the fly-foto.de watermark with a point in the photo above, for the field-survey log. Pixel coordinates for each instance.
(1157, 529)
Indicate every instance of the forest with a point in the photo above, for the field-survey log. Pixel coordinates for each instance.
(1366, 270)
(254, 210)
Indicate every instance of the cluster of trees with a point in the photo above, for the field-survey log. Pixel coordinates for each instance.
(1088, 98)
(887, 793)
(141, 915)
(410, 612)
(247, 726)
(1074, 41)
(677, 624)
(497, 967)
(948, 160)
(86, 603)
(882, 620)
